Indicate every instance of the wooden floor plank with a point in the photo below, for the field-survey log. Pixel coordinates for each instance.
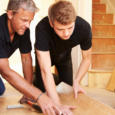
(85, 105)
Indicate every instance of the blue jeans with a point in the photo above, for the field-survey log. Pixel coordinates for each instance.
(2, 87)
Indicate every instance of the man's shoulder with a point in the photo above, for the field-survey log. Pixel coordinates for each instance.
(44, 26)
(82, 26)
(44, 22)
(81, 22)
(3, 18)
(3, 22)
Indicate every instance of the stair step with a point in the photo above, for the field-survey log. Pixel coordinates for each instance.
(103, 37)
(103, 53)
(103, 44)
(102, 18)
(103, 30)
(98, 78)
(107, 45)
(99, 8)
(101, 70)
(105, 61)
(96, 1)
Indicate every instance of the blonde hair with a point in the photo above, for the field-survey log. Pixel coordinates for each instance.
(62, 11)
(25, 4)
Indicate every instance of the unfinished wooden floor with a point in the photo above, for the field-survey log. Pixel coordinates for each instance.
(85, 105)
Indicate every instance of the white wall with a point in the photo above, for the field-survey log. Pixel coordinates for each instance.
(83, 9)
(3, 6)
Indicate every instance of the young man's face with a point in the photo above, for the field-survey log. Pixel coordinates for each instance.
(20, 20)
(63, 31)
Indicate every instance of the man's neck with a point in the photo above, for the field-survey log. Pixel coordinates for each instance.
(11, 31)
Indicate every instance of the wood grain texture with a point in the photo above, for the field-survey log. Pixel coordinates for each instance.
(84, 105)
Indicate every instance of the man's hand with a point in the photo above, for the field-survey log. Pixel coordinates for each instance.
(47, 106)
(77, 89)
(66, 110)
(50, 108)
(24, 99)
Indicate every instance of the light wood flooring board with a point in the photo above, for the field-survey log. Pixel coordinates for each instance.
(84, 105)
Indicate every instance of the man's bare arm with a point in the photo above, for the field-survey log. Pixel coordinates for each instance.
(46, 104)
(45, 66)
(83, 68)
(27, 67)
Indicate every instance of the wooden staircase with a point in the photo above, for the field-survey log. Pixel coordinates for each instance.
(103, 50)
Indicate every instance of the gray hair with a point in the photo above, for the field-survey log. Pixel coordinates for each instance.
(25, 4)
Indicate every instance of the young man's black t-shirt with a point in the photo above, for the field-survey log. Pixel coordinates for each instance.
(60, 50)
(7, 47)
(48, 40)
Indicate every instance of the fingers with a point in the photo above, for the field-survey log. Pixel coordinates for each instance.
(54, 110)
(77, 89)
(83, 91)
(66, 112)
(69, 107)
(50, 108)
(23, 100)
(57, 110)
(72, 107)
(49, 111)
(43, 110)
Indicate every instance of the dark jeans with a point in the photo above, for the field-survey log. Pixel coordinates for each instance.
(2, 87)
(63, 64)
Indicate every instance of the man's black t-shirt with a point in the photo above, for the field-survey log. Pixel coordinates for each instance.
(6, 46)
(48, 40)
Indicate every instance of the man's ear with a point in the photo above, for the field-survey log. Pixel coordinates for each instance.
(51, 24)
(10, 14)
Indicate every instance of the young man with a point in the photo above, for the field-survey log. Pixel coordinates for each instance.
(14, 33)
(56, 35)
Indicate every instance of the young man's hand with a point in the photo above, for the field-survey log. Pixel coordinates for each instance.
(66, 110)
(50, 108)
(77, 89)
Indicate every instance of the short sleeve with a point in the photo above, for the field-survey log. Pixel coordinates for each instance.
(86, 42)
(25, 43)
(42, 35)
